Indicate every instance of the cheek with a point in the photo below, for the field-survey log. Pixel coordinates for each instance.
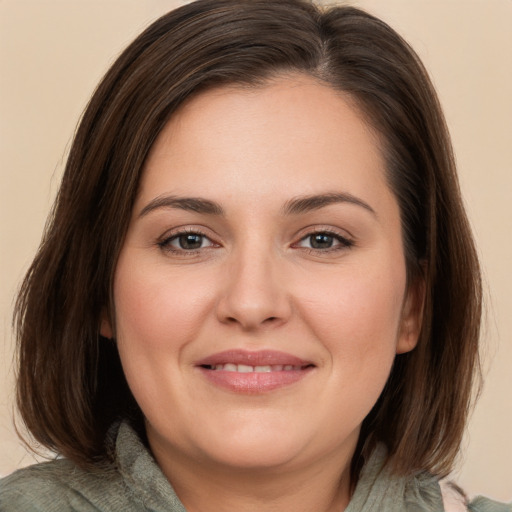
(357, 319)
(357, 315)
(155, 308)
(158, 314)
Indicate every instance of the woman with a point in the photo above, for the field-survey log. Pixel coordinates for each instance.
(258, 289)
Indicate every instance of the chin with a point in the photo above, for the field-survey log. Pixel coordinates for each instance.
(251, 441)
(253, 454)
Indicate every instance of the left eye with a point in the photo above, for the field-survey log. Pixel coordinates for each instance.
(187, 242)
(319, 241)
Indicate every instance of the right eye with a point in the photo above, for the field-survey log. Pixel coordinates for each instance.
(186, 242)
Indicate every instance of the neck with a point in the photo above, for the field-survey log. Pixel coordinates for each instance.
(323, 485)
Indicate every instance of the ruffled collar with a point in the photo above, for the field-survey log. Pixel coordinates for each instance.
(377, 490)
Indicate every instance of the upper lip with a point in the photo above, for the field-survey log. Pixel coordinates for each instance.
(253, 358)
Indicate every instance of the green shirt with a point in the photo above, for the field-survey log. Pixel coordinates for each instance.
(136, 484)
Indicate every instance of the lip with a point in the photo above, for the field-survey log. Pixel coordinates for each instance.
(254, 382)
(257, 358)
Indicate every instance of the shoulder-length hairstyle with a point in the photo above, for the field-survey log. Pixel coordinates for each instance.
(71, 386)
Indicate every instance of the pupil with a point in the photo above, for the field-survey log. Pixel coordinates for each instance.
(321, 241)
(190, 241)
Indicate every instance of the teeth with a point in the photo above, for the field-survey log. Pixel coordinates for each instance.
(244, 368)
(262, 368)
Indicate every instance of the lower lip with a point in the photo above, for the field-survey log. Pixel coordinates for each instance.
(254, 382)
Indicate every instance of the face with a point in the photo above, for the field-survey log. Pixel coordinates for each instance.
(260, 294)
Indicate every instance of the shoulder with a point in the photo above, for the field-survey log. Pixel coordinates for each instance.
(482, 504)
(426, 493)
(133, 482)
(37, 487)
(454, 500)
(58, 485)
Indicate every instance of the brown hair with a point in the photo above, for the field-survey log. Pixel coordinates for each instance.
(71, 386)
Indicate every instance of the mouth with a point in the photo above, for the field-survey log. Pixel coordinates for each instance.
(248, 372)
(244, 368)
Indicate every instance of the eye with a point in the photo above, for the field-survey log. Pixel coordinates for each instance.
(324, 241)
(321, 241)
(189, 241)
(185, 242)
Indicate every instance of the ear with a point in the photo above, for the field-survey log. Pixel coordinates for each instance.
(412, 316)
(105, 326)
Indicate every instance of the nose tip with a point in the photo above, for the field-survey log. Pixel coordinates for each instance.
(254, 296)
(250, 318)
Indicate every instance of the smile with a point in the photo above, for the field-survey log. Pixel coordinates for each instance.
(244, 368)
(249, 372)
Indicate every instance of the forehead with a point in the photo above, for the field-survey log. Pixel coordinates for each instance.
(291, 135)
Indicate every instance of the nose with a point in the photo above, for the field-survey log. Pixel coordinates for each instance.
(254, 293)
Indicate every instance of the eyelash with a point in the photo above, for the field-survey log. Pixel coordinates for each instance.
(343, 243)
(165, 243)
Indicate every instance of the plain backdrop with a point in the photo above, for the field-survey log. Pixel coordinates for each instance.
(52, 54)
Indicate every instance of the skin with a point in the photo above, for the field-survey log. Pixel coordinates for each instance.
(257, 283)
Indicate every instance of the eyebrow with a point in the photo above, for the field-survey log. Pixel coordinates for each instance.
(295, 206)
(306, 204)
(191, 204)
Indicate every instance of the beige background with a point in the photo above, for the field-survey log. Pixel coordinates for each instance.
(52, 53)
